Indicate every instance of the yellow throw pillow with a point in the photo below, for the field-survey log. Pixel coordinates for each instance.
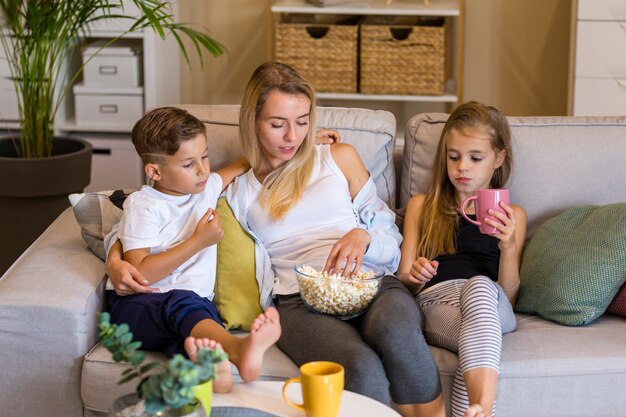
(236, 288)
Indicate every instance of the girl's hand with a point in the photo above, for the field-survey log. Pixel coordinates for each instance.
(505, 225)
(423, 270)
(126, 279)
(346, 255)
(327, 136)
(209, 229)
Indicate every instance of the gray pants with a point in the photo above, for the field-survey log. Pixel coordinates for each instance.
(383, 351)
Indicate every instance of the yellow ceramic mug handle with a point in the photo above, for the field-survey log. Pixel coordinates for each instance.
(291, 403)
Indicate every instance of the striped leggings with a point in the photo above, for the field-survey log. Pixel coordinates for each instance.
(467, 316)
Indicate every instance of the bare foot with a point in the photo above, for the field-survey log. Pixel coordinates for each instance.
(224, 380)
(475, 410)
(264, 332)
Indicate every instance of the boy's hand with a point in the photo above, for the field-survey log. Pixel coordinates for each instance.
(327, 136)
(209, 230)
(423, 270)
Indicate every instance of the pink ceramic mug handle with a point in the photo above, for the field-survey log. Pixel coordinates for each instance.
(464, 204)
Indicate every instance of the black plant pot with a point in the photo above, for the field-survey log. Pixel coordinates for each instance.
(33, 192)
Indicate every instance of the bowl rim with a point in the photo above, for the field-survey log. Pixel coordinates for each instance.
(379, 273)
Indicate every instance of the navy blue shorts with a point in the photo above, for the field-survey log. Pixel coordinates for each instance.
(161, 321)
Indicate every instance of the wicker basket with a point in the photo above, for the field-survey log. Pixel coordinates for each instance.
(325, 54)
(403, 58)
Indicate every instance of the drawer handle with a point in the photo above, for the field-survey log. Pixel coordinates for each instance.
(108, 108)
(622, 25)
(107, 70)
(621, 83)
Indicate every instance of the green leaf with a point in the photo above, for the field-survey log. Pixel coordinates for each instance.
(149, 366)
(121, 330)
(137, 357)
(128, 377)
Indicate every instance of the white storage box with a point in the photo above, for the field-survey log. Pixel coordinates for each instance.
(112, 108)
(115, 163)
(118, 65)
(115, 26)
(8, 98)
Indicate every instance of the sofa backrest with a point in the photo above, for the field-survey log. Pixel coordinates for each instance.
(371, 132)
(558, 162)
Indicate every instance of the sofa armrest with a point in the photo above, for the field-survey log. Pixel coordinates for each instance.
(50, 300)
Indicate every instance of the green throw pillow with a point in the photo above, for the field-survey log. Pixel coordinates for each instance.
(574, 265)
(236, 289)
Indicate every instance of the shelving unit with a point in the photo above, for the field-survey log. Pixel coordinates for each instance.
(597, 82)
(115, 163)
(452, 10)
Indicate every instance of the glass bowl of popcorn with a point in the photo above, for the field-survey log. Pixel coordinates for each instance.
(337, 295)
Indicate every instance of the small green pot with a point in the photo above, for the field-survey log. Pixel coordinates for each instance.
(131, 405)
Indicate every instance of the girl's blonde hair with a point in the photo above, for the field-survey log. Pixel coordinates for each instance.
(283, 187)
(439, 217)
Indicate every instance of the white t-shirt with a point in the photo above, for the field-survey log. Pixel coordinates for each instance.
(161, 221)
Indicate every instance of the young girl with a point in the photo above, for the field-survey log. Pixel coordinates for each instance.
(465, 282)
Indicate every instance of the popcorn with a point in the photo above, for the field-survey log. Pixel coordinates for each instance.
(335, 294)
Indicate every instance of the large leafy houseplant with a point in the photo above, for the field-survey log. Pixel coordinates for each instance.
(39, 37)
(162, 385)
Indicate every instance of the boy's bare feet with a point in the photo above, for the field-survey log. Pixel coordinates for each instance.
(224, 380)
(264, 332)
(475, 410)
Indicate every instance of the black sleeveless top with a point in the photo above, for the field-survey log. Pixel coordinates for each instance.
(477, 254)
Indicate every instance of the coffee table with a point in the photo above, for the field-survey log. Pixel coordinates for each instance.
(266, 396)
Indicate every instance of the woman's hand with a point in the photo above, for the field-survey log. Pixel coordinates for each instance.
(423, 271)
(126, 279)
(346, 255)
(327, 136)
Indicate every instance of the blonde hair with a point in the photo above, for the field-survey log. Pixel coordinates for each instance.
(283, 187)
(439, 217)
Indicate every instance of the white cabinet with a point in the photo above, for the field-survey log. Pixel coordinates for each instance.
(598, 58)
(105, 114)
(451, 10)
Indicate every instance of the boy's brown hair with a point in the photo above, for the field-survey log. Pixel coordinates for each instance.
(161, 131)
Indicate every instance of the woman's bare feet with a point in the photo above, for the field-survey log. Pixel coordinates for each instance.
(224, 380)
(264, 332)
(476, 410)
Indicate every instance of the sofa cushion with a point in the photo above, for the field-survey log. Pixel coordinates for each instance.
(96, 213)
(371, 132)
(548, 153)
(575, 264)
(236, 288)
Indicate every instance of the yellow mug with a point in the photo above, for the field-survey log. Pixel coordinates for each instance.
(322, 387)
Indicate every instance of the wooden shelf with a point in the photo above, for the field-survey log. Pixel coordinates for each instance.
(374, 7)
(445, 98)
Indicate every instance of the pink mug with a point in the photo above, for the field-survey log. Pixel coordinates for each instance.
(485, 200)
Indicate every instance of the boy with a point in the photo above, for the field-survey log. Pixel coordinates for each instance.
(169, 233)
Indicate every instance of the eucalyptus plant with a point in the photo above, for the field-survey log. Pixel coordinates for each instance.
(39, 37)
(161, 385)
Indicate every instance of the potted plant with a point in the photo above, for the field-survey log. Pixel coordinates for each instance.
(39, 37)
(178, 386)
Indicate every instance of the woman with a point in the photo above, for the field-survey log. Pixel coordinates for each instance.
(317, 204)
